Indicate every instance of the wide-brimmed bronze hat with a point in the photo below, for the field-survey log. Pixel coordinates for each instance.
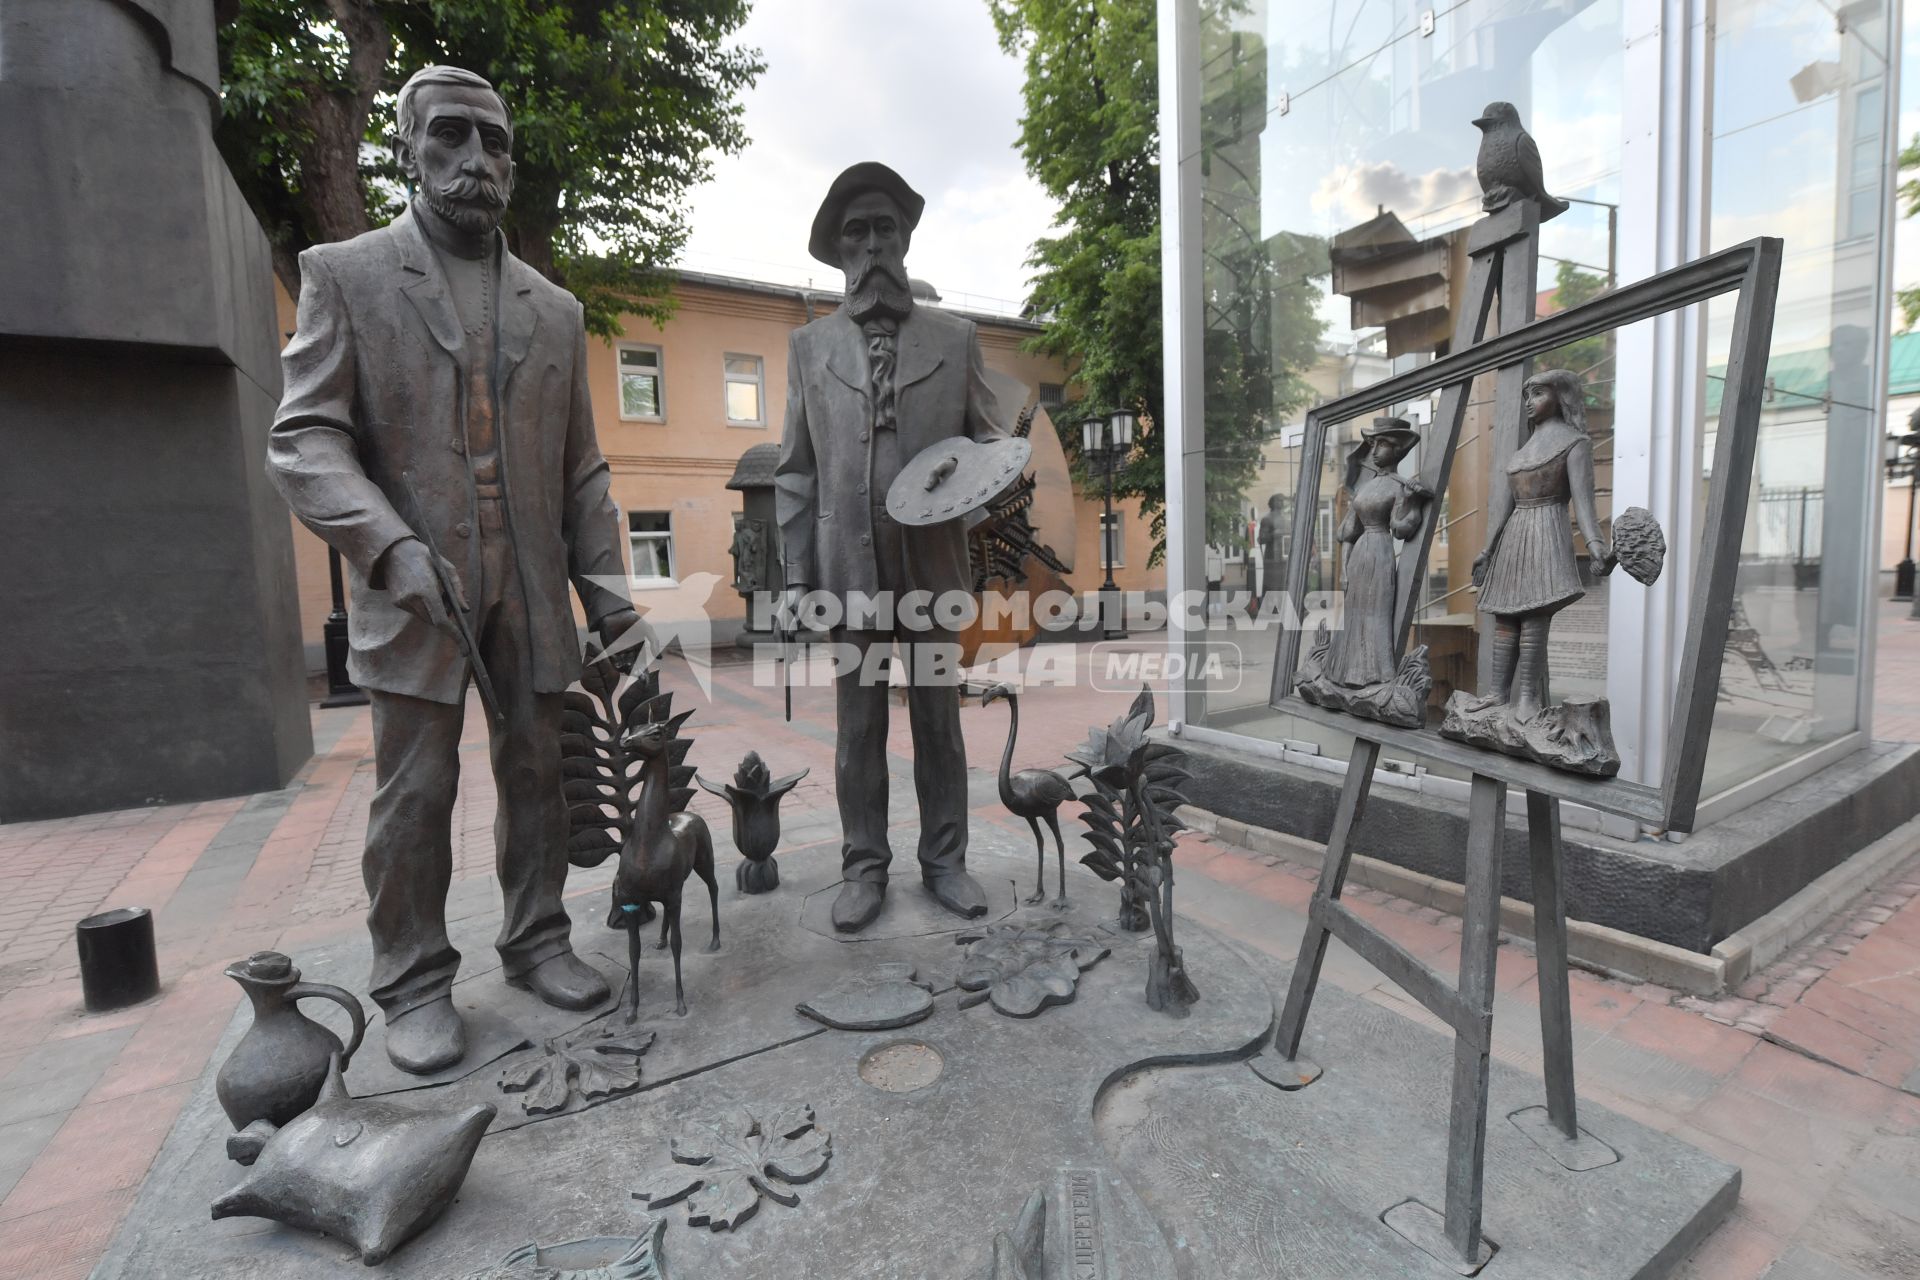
(868, 175)
(1395, 429)
(1359, 457)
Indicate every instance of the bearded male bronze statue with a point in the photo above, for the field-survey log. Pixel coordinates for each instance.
(436, 431)
(868, 388)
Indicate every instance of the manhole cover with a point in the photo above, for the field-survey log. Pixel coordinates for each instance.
(902, 1067)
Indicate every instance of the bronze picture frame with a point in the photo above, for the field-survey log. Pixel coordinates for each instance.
(1753, 270)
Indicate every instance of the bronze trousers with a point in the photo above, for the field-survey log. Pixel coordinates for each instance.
(408, 863)
(862, 710)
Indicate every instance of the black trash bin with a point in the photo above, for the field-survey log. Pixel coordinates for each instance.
(118, 964)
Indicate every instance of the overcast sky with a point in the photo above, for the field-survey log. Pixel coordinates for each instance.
(920, 86)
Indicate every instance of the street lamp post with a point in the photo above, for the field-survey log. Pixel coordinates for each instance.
(1105, 442)
(341, 691)
(1903, 458)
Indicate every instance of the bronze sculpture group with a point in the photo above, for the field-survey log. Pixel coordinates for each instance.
(1513, 732)
(465, 525)
(437, 430)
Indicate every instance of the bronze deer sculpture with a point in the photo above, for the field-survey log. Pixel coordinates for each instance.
(642, 818)
(664, 844)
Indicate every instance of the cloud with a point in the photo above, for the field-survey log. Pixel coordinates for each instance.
(1352, 193)
(924, 88)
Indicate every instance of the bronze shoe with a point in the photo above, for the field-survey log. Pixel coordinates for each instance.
(858, 904)
(564, 981)
(427, 1038)
(959, 893)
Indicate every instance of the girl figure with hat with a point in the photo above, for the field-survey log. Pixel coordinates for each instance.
(1382, 505)
(1528, 571)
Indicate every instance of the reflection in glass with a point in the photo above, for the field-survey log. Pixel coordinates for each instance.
(1799, 107)
(1337, 179)
(1338, 146)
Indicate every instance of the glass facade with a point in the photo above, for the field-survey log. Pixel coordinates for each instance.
(1798, 151)
(1336, 168)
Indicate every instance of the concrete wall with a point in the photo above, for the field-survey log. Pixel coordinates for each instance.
(151, 632)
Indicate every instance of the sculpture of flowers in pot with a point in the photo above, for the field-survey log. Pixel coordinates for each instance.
(755, 801)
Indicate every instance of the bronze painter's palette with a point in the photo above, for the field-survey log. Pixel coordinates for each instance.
(981, 471)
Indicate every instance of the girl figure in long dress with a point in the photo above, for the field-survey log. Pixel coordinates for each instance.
(1528, 571)
(1380, 508)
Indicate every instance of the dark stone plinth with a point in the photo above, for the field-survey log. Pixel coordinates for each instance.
(149, 573)
(1084, 1101)
(1306, 1176)
(1691, 894)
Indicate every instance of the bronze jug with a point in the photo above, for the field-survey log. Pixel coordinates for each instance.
(276, 1070)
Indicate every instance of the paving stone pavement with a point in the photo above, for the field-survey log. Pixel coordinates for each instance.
(1806, 1077)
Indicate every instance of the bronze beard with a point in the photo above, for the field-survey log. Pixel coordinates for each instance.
(878, 287)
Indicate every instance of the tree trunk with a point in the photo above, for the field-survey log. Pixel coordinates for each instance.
(336, 208)
(332, 123)
(531, 238)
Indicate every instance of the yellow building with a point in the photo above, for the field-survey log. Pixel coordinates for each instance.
(677, 404)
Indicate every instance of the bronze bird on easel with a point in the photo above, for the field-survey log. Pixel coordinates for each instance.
(1509, 163)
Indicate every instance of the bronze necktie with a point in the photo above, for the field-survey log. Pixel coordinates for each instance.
(880, 332)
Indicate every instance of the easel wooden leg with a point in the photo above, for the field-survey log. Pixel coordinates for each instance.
(1550, 949)
(1479, 945)
(1281, 1065)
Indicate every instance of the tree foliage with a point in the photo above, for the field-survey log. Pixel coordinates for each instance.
(619, 107)
(1909, 299)
(1590, 358)
(1090, 136)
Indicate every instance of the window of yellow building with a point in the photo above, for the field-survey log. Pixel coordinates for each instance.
(642, 393)
(650, 539)
(745, 380)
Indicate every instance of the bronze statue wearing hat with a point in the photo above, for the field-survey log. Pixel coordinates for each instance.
(1355, 670)
(1382, 505)
(436, 431)
(868, 388)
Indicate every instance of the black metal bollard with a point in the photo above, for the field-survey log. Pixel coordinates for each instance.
(118, 964)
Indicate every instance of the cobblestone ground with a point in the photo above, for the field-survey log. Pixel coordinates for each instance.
(1805, 1077)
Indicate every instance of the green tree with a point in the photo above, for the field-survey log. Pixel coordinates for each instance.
(1591, 358)
(1909, 299)
(1090, 137)
(1089, 134)
(619, 107)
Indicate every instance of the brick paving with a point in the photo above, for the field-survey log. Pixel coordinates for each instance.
(1896, 675)
(1807, 1077)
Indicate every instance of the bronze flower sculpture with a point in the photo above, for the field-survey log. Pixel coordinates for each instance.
(755, 801)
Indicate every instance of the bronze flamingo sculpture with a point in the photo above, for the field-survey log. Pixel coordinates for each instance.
(1032, 794)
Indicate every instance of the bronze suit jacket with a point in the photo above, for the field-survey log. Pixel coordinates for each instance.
(824, 483)
(373, 422)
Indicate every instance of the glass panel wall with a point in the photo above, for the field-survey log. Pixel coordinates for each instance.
(1337, 173)
(1337, 177)
(1798, 150)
